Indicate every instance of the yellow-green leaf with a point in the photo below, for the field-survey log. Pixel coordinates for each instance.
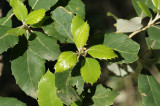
(47, 91)
(65, 61)
(90, 70)
(101, 52)
(35, 16)
(16, 31)
(19, 9)
(156, 3)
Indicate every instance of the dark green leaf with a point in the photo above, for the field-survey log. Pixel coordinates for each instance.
(6, 21)
(65, 90)
(19, 9)
(16, 31)
(35, 16)
(154, 44)
(78, 82)
(65, 61)
(38, 4)
(144, 8)
(104, 96)
(149, 89)
(27, 68)
(6, 41)
(154, 32)
(76, 7)
(139, 11)
(101, 52)
(125, 46)
(4, 101)
(44, 46)
(47, 91)
(63, 20)
(90, 70)
(51, 31)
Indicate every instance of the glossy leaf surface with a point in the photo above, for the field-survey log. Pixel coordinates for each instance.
(65, 61)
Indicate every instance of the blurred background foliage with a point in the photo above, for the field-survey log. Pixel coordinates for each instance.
(123, 80)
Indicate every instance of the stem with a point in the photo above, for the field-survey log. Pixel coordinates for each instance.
(150, 23)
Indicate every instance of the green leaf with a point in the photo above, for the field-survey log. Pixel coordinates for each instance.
(19, 9)
(47, 91)
(101, 52)
(76, 7)
(149, 89)
(16, 31)
(90, 70)
(139, 11)
(127, 48)
(65, 91)
(65, 61)
(78, 82)
(104, 96)
(77, 22)
(154, 44)
(44, 46)
(154, 31)
(6, 41)
(38, 4)
(50, 30)
(35, 16)
(27, 67)
(6, 21)
(11, 102)
(63, 20)
(156, 3)
(131, 25)
(80, 31)
(144, 8)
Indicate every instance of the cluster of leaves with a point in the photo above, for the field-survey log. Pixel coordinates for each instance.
(38, 39)
(45, 26)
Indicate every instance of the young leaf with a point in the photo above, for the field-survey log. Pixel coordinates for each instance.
(35, 16)
(38, 4)
(65, 90)
(65, 61)
(125, 46)
(63, 20)
(27, 67)
(129, 25)
(149, 89)
(90, 70)
(104, 96)
(19, 9)
(101, 52)
(144, 8)
(11, 102)
(47, 91)
(16, 31)
(76, 7)
(81, 33)
(76, 23)
(6, 41)
(153, 32)
(110, 14)
(46, 47)
(156, 3)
